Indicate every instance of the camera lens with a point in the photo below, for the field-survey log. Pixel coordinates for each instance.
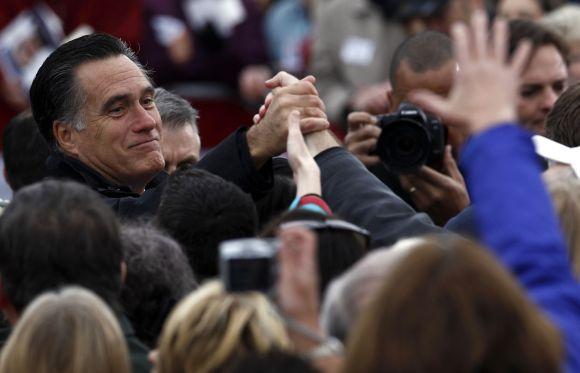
(404, 146)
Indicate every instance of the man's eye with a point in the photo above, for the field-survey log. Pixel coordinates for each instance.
(529, 92)
(116, 111)
(559, 87)
(148, 102)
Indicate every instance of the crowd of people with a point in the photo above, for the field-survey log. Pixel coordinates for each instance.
(130, 246)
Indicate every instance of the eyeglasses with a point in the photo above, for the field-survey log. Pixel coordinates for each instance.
(332, 225)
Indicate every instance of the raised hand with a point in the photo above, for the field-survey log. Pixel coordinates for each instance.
(306, 171)
(297, 287)
(268, 137)
(281, 79)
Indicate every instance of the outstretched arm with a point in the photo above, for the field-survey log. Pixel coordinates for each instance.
(513, 210)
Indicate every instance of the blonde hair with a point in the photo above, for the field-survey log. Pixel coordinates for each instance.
(210, 327)
(71, 330)
(564, 188)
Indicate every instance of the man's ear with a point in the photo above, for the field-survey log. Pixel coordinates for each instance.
(63, 133)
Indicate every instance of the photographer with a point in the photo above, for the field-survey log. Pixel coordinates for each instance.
(424, 61)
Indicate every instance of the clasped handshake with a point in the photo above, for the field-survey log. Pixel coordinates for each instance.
(484, 94)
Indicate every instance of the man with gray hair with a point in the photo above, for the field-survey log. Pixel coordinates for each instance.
(180, 142)
(349, 294)
(94, 104)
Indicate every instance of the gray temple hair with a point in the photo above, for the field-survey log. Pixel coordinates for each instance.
(175, 111)
(348, 294)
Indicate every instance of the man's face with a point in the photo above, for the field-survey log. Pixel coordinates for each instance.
(123, 128)
(438, 81)
(180, 146)
(542, 82)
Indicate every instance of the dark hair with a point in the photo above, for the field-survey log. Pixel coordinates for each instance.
(428, 50)
(55, 94)
(337, 250)
(25, 151)
(200, 210)
(158, 276)
(549, 5)
(277, 201)
(57, 233)
(175, 111)
(538, 35)
(450, 306)
(271, 362)
(562, 122)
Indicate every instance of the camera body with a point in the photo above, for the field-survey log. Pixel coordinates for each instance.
(248, 264)
(410, 139)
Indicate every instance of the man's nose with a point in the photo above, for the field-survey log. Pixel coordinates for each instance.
(549, 99)
(145, 119)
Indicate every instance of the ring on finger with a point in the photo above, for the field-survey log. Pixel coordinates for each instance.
(412, 190)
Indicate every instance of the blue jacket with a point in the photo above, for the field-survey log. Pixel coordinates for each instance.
(517, 222)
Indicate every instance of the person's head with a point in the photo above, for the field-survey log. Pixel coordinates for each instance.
(545, 76)
(211, 328)
(350, 293)
(66, 331)
(424, 61)
(24, 152)
(564, 22)
(93, 101)
(562, 122)
(532, 10)
(278, 199)
(181, 144)
(448, 305)
(340, 244)
(57, 233)
(200, 210)
(158, 276)
(564, 188)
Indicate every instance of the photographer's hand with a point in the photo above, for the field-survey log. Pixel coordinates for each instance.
(485, 90)
(371, 98)
(440, 195)
(362, 137)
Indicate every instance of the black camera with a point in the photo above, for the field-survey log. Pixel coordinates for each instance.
(410, 139)
(248, 264)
